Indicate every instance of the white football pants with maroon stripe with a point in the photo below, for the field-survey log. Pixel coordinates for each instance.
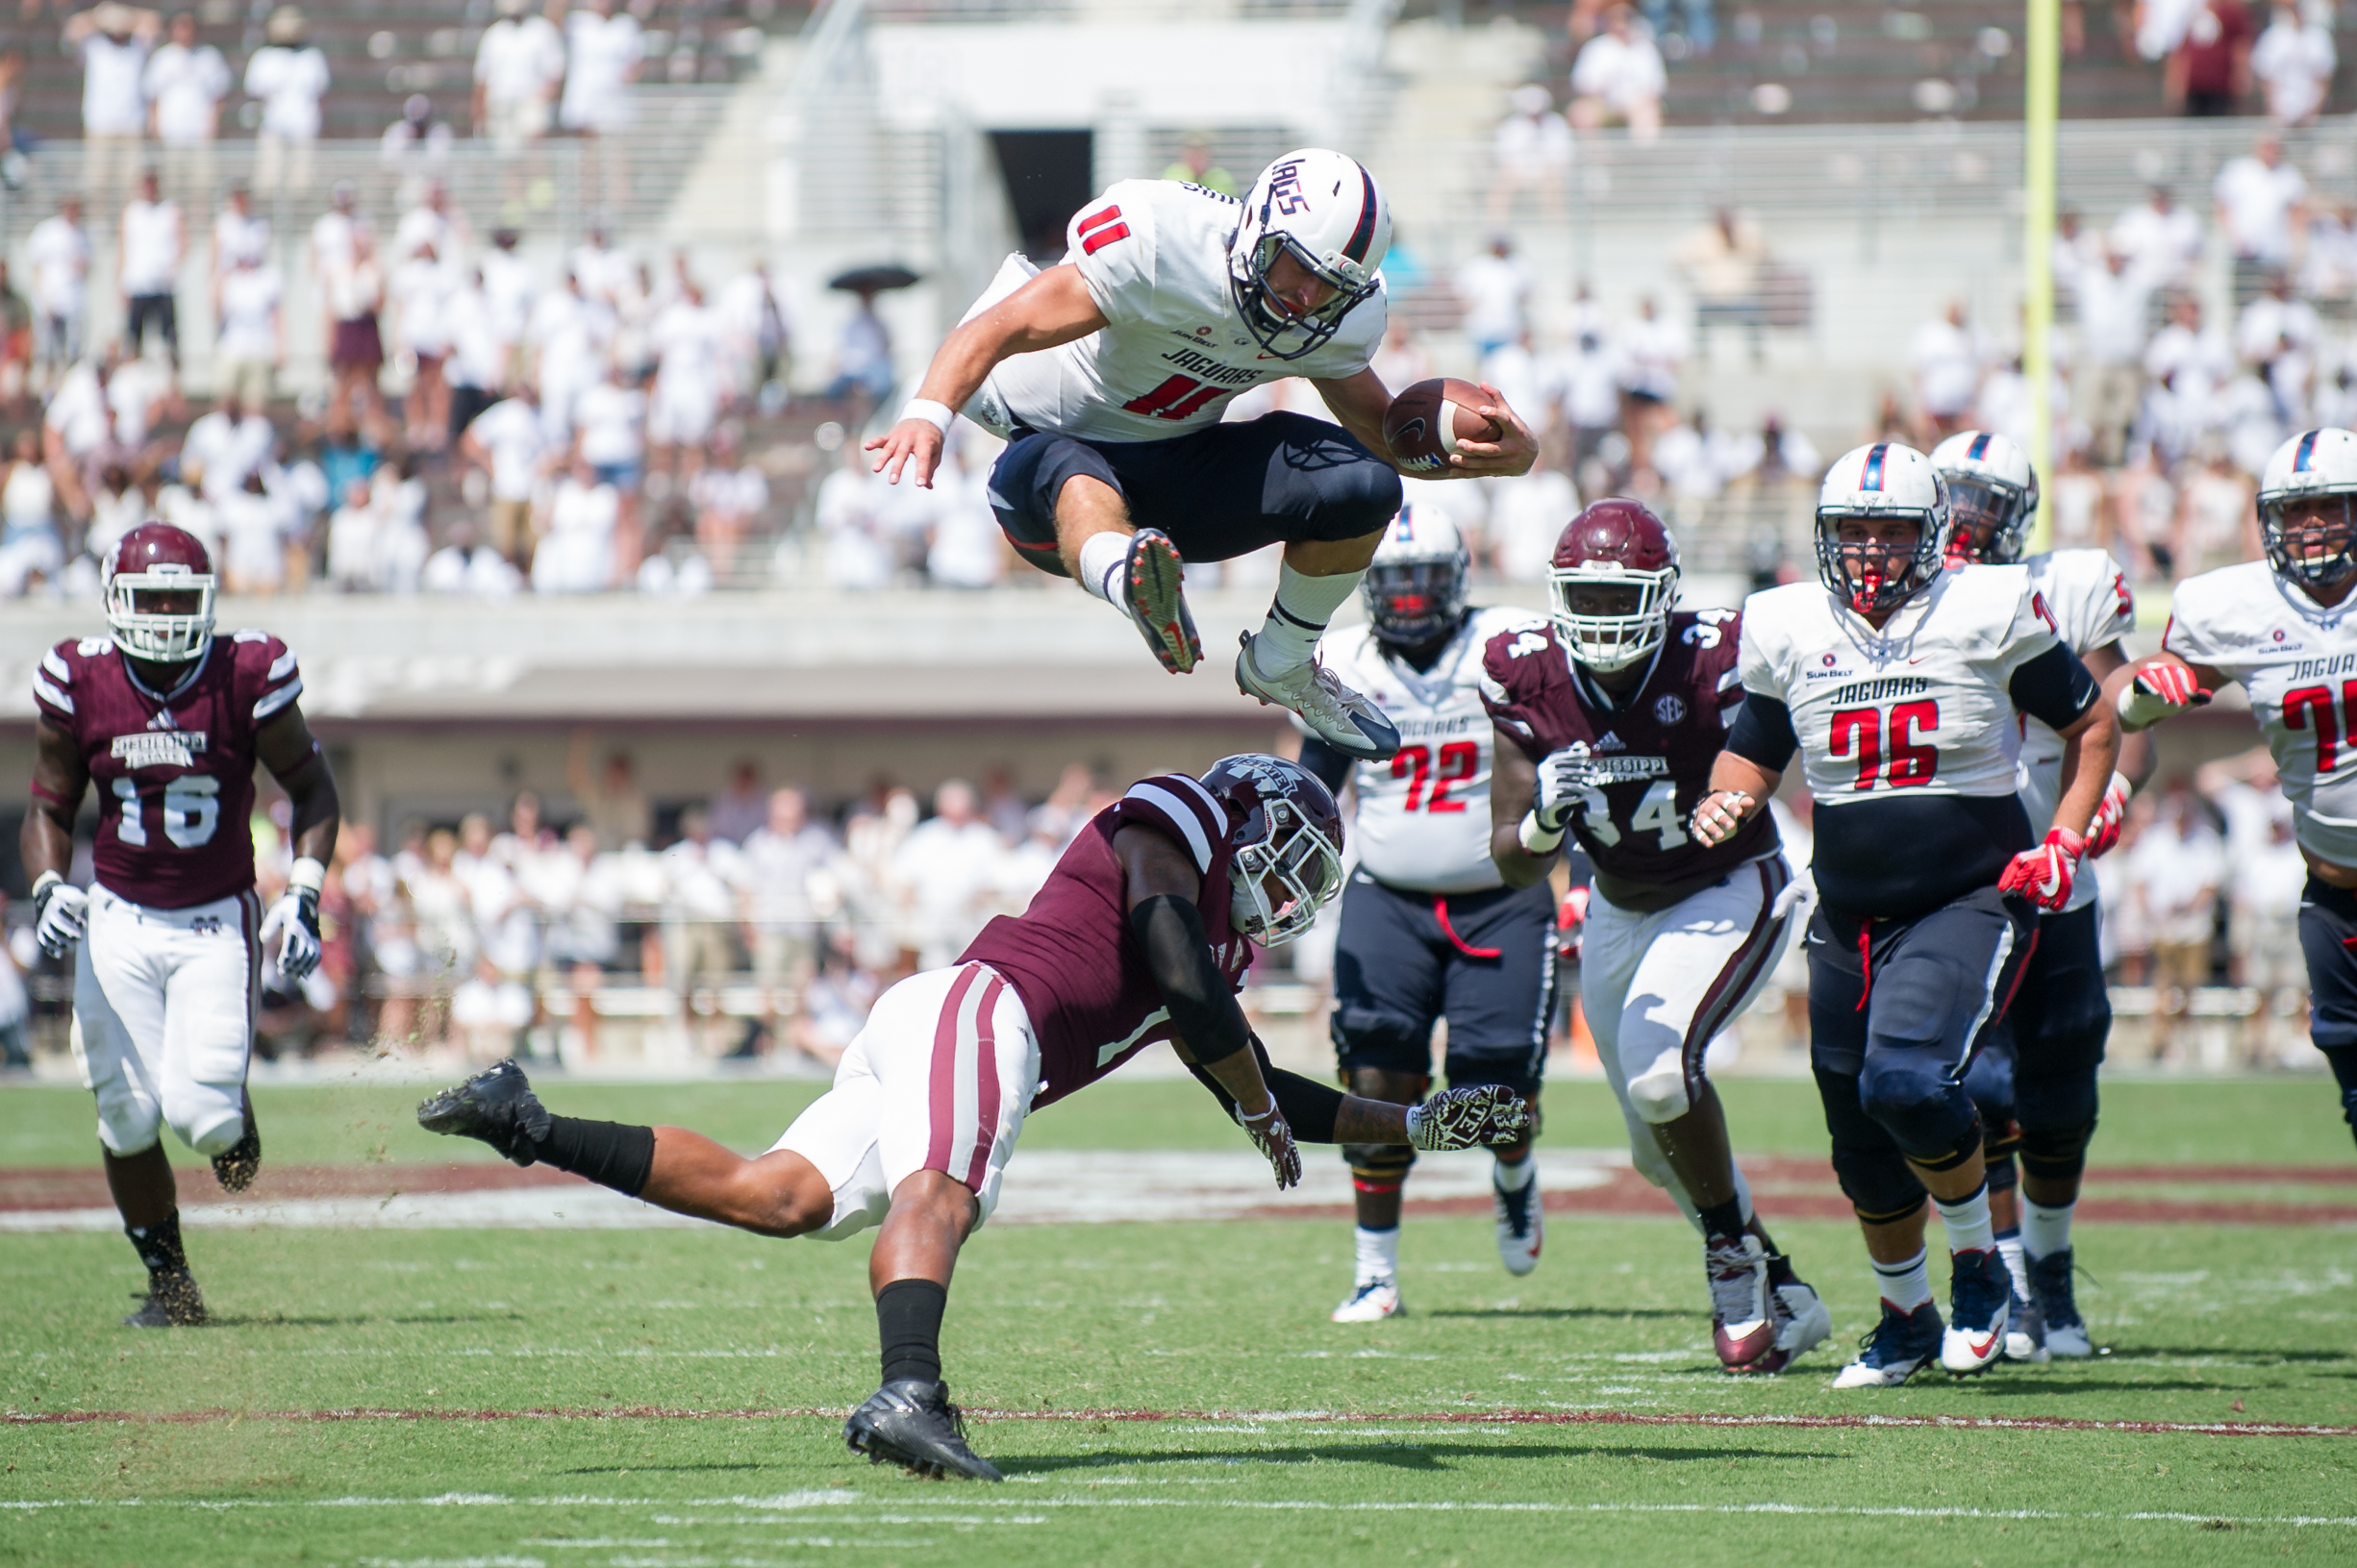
(1658, 988)
(939, 1080)
(163, 1018)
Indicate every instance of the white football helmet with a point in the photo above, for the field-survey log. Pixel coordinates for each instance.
(2306, 515)
(1881, 480)
(1323, 210)
(1415, 588)
(1991, 495)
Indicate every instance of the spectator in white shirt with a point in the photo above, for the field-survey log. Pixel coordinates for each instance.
(518, 67)
(1949, 356)
(2277, 336)
(849, 512)
(1652, 351)
(238, 232)
(290, 78)
(476, 370)
(728, 496)
(570, 335)
(419, 294)
(946, 872)
(604, 271)
(1620, 76)
(184, 82)
(147, 268)
(1530, 151)
(249, 343)
(864, 356)
(509, 443)
(754, 326)
(114, 42)
(1494, 289)
(256, 528)
(968, 548)
(511, 284)
(779, 863)
(2293, 61)
(2160, 239)
(602, 49)
(576, 554)
(417, 140)
(352, 541)
(463, 566)
(2262, 201)
(57, 255)
(2114, 302)
(687, 398)
(700, 910)
(228, 445)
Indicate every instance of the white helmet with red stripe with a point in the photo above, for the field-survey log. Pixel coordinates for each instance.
(1877, 483)
(1322, 209)
(2308, 508)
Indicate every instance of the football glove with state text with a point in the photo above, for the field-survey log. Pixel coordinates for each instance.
(1484, 1115)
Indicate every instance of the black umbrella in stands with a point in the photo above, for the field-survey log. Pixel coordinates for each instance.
(872, 280)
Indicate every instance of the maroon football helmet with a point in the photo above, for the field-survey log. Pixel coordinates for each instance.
(159, 587)
(1613, 582)
(1287, 827)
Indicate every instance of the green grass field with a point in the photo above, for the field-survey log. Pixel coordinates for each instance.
(1550, 1419)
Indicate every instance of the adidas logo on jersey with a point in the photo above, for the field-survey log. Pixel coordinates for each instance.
(1611, 742)
(163, 720)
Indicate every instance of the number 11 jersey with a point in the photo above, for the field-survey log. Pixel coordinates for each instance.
(1646, 760)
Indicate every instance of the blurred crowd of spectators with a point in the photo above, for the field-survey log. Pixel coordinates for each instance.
(750, 924)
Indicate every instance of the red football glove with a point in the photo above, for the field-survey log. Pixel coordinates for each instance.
(2043, 875)
(1569, 921)
(2103, 832)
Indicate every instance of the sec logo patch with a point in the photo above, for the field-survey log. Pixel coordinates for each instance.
(1669, 708)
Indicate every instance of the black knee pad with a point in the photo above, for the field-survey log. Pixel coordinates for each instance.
(1377, 1037)
(1877, 1182)
(1378, 1166)
(2056, 1154)
(2000, 1140)
(2003, 1173)
(2061, 1105)
(1919, 1105)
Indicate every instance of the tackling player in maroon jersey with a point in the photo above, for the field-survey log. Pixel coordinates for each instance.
(168, 721)
(1607, 725)
(1142, 934)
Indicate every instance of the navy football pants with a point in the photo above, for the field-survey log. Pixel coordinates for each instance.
(1896, 1011)
(2328, 941)
(2034, 1083)
(1486, 962)
(1219, 493)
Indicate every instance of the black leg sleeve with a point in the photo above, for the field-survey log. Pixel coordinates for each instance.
(1309, 1108)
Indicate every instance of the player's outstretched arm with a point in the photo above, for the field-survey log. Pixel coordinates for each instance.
(46, 843)
(1053, 308)
(1739, 789)
(1486, 1116)
(286, 747)
(2157, 687)
(1361, 401)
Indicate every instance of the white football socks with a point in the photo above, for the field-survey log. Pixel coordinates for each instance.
(2045, 1231)
(1516, 1177)
(1378, 1255)
(1297, 618)
(1966, 1220)
(2009, 1248)
(1905, 1285)
(1101, 556)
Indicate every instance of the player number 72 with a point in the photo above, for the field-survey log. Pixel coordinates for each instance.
(1460, 759)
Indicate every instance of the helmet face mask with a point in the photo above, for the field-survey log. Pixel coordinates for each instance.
(1287, 845)
(1413, 589)
(1883, 527)
(1610, 619)
(1993, 496)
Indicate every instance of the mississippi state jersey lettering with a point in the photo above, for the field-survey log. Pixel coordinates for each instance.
(1649, 759)
(1908, 736)
(2092, 607)
(1070, 956)
(1154, 255)
(174, 772)
(1423, 819)
(2299, 665)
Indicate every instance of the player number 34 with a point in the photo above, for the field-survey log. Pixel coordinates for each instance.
(192, 812)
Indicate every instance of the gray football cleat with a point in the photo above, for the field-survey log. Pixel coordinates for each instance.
(912, 1423)
(1335, 713)
(495, 1107)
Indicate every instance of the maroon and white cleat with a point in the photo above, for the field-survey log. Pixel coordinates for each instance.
(1742, 1316)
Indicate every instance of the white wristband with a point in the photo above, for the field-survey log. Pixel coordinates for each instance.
(937, 414)
(43, 881)
(309, 876)
(1537, 839)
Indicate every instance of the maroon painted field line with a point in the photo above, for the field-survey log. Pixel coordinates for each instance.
(1461, 1418)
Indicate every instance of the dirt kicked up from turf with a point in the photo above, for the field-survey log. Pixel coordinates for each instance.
(1060, 1186)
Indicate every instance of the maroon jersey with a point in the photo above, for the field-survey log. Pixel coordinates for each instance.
(1648, 760)
(174, 771)
(1071, 956)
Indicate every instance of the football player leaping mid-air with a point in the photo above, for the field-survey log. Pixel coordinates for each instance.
(2035, 1082)
(1142, 933)
(2282, 627)
(1108, 373)
(169, 721)
(1607, 725)
(1429, 931)
(1898, 682)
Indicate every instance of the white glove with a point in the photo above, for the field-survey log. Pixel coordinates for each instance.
(1563, 782)
(61, 914)
(296, 915)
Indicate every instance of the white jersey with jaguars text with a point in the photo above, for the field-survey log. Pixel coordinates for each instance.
(1423, 816)
(1173, 349)
(2092, 607)
(1920, 707)
(2299, 663)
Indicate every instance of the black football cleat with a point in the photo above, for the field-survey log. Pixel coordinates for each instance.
(235, 1166)
(496, 1106)
(173, 1301)
(912, 1423)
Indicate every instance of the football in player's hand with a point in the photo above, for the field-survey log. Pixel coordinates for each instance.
(1424, 423)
